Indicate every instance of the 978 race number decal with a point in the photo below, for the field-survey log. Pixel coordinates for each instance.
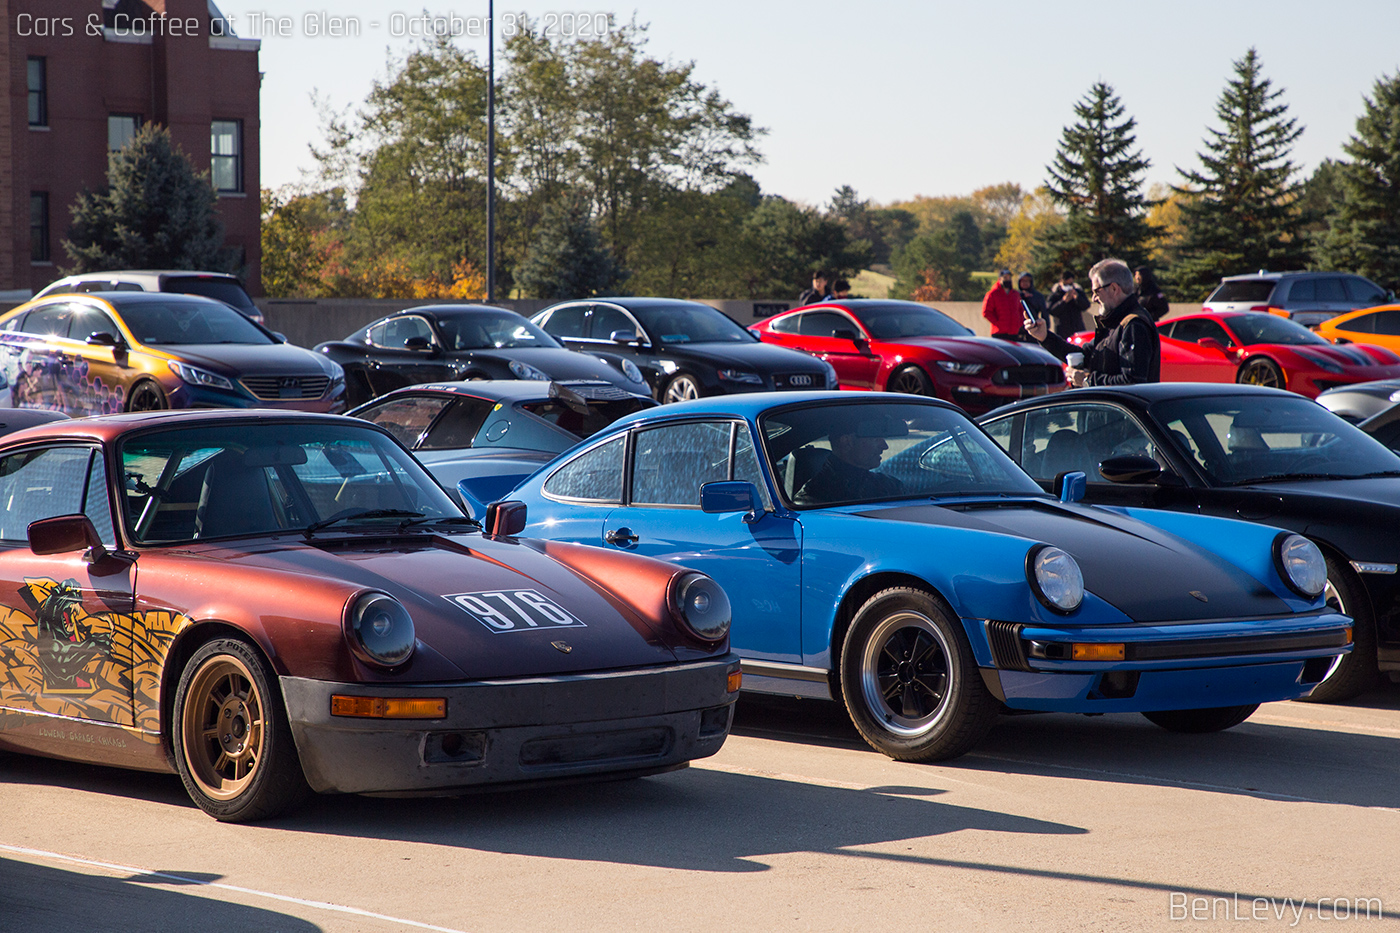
(515, 610)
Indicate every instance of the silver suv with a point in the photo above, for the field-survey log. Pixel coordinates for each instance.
(1307, 297)
(217, 285)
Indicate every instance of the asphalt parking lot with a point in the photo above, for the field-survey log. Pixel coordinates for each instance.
(1055, 822)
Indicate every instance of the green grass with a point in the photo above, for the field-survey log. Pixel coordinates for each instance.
(872, 284)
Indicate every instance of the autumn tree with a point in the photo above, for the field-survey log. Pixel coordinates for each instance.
(1096, 180)
(1241, 208)
(1364, 232)
(155, 212)
(1033, 221)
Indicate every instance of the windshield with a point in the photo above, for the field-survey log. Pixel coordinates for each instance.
(226, 290)
(838, 454)
(1239, 439)
(250, 478)
(173, 323)
(490, 330)
(887, 321)
(1270, 328)
(691, 324)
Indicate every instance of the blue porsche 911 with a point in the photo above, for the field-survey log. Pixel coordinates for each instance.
(887, 552)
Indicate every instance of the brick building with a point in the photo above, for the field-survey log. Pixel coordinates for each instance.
(80, 77)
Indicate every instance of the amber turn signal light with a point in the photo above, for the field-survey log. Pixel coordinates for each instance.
(1097, 652)
(1348, 631)
(388, 707)
(735, 679)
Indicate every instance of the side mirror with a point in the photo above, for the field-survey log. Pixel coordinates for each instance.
(623, 336)
(280, 336)
(1130, 470)
(101, 338)
(505, 518)
(64, 534)
(1210, 343)
(1072, 486)
(731, 497)
(419, 344)
(861, 343)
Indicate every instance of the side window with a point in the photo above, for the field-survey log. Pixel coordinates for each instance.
(1194, 329)
(1000, 431)
(97, 504)
(1386, 322)
(594, 476)
(670, 464)
(88, 321)
(786, 325)
(1303, 290)
(824, 324)
(395, 333)
(746, 465)
(1362, 324)
(1363, 292)
(15, 323)
(406, 418)
(606, 320)
(1331, 288)
(42, 483)
(458, 425)
(49, 320)
(1067, 438)
(567, 322)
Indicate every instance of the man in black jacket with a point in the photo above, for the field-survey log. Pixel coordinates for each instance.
(1126, 348)
(1067, 306)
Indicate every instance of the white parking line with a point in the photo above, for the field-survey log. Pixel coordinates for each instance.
(181, 879)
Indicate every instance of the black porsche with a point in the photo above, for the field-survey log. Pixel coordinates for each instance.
(684, 349)
(445, 343)
(1245, 452)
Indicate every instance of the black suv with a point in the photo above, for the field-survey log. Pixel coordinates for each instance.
(1307, 297)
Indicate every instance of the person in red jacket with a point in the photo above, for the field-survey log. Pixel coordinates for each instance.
(1002, 307)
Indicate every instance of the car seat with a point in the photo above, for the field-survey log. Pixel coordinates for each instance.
(233, 500)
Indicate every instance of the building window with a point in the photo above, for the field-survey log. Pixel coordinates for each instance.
(39, 226)
(38, 93)
(226, 154)
(121, 129)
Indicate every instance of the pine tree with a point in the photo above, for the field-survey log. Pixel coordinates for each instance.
(1096, 179)
(1364, 234)
(568, 259)
(154, 213)
(1240, 211)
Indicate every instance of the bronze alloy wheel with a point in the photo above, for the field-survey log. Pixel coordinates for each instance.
(146, 396)
(1261, 372)
(224, 727)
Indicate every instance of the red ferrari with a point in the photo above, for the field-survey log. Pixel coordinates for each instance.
(1263, 349)
(904, 346)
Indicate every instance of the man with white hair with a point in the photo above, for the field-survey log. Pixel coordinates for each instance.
(1126, 348)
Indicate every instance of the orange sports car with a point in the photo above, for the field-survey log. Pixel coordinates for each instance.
(1379, 326)
(106, 352)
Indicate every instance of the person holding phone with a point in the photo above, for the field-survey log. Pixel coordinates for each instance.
(1067, 305)
(1126, 348)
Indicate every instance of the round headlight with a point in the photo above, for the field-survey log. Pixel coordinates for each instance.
(630, 370)
(381, 630)
(526, 371)
(1301, 564)
(701, 606)
(1056, 579)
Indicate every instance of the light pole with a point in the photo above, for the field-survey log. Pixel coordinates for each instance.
(491, 150)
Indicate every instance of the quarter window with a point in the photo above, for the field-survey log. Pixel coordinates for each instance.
(457, 426)
(226, 154)
(395, 333)
(594, 476)
(1386, 322)
(407, 418)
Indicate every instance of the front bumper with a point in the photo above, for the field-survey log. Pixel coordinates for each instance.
(514, 731)
(184, 395)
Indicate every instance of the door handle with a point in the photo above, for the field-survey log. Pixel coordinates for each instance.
(622, 537)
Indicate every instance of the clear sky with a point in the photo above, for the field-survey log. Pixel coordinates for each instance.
(898, 98)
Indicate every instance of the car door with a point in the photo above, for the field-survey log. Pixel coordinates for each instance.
(66, 625)
(100, 362)
(838, 339)
(405, 352)
(41, 354)
(606, 320)
(758, 564)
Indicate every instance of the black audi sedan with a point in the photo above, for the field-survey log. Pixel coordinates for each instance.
(684, 349)
(1263, 455)
(445, 343)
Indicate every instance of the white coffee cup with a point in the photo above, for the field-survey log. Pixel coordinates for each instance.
(1075, 360)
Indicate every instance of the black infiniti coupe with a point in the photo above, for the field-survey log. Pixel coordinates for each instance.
(446, 343)
(1247, 452)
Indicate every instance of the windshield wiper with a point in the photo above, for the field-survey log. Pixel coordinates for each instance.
(1285, 477)
(443, 520)
(368, 513)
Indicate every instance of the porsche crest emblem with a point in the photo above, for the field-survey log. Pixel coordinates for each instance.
(563, 646)
(1201, 596)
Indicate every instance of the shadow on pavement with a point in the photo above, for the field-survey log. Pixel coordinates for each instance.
(39, 898)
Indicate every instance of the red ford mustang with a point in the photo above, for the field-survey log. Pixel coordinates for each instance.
(904, 346)
(1263, 349)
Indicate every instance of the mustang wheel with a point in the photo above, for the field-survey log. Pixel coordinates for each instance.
(146, 396)
(1352, 673)
(911, 380)
(233, 747)
(909, 680)
(1261, 372)
(681, 388)
(1202, 720)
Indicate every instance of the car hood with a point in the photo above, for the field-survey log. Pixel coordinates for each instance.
(423, 570)
(981, 350)
(561, 365)
(1347, 357)
(1144, 572)
(751, 357)
(1371, 491)
(236, 359)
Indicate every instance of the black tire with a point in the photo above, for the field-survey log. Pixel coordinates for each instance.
(1213, 719)
(251, 772)
(357, 389)
(1261, 371)
(1355, 673)
(681, 388)
(146, 395)
(909, 680)
(911, 380)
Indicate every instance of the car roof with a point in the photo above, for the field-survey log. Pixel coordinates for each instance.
(110, 427)
(1146, 393)
(452, 309)
(118, 299)
(752, 404)
(636, 303)
(501, 390)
